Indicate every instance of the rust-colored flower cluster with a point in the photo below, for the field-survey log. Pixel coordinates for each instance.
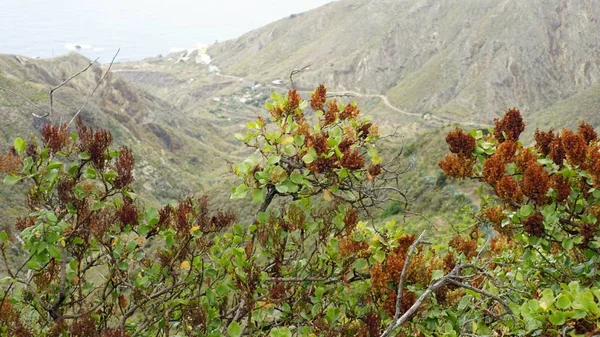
(466, 246)
(349, 247)
(460, 142)
(83, 327)
(495, 216)
(352, 160)
(508, 190)
(24, 222)
(460, 163)
(124, 166)
(9, 162)
(562, 186)
(575, 147)
(493, 169)
(10, 321)
(506, 151)
(543, 141)
(351, 111)
(350, 220)
(128, 213)
(55, 137)
(407, 301)
(534, 225)
(293, 100)
(535, 183)
(320, 144)
(588, 231)
(391, 268)
(525, 158)
(331, 115)
(94, 143)
(457, 167)
(587, 132)
(510, 126)
(318, 98)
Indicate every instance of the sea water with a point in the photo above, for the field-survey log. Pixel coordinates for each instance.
(141, 28)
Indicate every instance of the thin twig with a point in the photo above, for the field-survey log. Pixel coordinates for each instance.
(46, 112)
(297, 71)
(449, 278)
(411, 250)
(51, 92)
(96, 88)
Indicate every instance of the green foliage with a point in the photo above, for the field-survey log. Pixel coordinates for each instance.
(97, 262)
(544, 212)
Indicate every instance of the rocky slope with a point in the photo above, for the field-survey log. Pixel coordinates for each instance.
(177, 152)
(461, 59)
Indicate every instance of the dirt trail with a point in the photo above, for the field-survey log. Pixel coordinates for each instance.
(394, 108)
(386, 101)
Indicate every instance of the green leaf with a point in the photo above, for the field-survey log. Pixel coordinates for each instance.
(84, 156)
(277, 97)
(11, 179)
(258, 195)
(54, 251)
(297, 178)
(124, 266)
(281, 188)
(240, 192)
(20, 145)
(525, 211)
(273, 160)
(563, 302)
(54, 164)
(437, 274)
(90, 173)
(98, 206)
(281, 332)
(359, 264)
(262, 217)
(151, 216)
(557, 318)
(110, 175)
(567, 243)
(587, 299)
(222, 289)
(379, 256)
(4, 236)
(310, 156)
(234, 329)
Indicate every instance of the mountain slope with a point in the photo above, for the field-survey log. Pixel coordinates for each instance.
(171, 147)
(462, 59)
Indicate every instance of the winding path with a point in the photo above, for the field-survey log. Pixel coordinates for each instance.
(386, 101)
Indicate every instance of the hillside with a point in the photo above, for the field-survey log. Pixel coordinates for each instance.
(458, 59)
(415, 65)
(171, 146)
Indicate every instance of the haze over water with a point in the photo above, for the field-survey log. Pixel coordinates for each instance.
(141, 28)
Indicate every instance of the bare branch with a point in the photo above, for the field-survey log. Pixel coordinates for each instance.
(51, 92)
(96, 88)
(46, 112)
(411, 251)
(297, 71)
(449, 278)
